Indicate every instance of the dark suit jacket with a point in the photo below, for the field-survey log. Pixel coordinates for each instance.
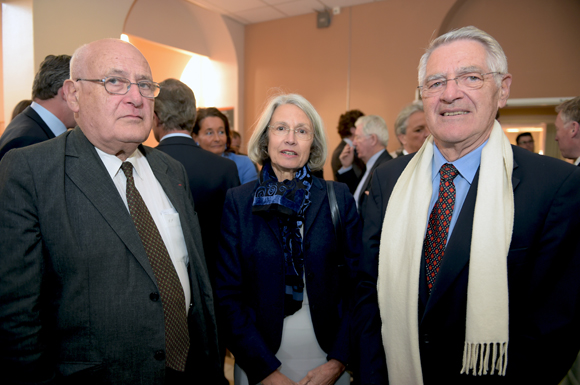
(350, 177)
(543, 270)
(250, 280)
(358, 166)
(79, 297)
(210, 176)
(25, 129)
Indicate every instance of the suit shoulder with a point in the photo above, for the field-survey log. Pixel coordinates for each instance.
(247, 189)
(393, 166)
(339, 187)
(541, 167)
(154, 155)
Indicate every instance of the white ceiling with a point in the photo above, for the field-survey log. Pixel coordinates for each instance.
(256, 11)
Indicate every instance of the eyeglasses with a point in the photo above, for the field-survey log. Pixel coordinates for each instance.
(120, 86)
(301, 133)
(470, 81)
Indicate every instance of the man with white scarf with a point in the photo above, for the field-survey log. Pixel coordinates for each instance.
(472, 246)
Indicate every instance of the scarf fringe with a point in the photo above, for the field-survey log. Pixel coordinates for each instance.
(474, 353)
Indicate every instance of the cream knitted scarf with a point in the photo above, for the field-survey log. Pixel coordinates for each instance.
(486, 338)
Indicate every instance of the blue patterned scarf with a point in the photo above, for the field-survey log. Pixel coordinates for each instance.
(287, 200)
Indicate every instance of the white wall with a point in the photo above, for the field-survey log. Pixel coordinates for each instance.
(17, 53)
(186, 26)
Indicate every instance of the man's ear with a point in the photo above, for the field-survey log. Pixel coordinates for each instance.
(504, 90)
(575, 129)
(402, 139)
(70, 93)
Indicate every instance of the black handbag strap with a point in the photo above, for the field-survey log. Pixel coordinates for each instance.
(334, 213)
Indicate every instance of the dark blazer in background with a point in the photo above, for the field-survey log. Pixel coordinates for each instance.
(250, 281)
(25, 129)
(357, 165)
(543, 270)
(210, 176)
(350, 177)
(79, 297)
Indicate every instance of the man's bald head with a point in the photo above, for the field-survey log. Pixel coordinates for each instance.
(115, 123)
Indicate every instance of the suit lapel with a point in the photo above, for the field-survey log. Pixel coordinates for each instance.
(317, 196)
(29, 111)
(385, 156)
(175, 190)
(87, 172)
(458, 249)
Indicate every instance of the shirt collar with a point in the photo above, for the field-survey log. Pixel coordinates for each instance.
(467, 165)
(55, 124)
(577, 161)
(373, 159)
(113, 164)
(176, 134)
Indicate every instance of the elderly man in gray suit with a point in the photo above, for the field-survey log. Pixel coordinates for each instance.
(102, 276)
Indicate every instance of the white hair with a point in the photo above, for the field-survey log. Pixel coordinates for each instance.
(258, 144)
(374, 124)
(496, 59)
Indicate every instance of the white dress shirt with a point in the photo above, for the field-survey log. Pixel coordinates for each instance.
(363, 180)
(164, 215)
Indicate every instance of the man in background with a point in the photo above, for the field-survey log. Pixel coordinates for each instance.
(346, 130)
(526, 140)
(106, 283)
(370, 140)
(568, 129)
(49, 114)
(411, 128)
(210, 176)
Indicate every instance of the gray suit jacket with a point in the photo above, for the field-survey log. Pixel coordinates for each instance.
(79, 297)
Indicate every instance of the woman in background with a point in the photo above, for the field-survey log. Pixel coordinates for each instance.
(284, 276)
(212, 132)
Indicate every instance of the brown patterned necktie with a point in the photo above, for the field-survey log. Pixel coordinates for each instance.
(170, 289)
(438, 227)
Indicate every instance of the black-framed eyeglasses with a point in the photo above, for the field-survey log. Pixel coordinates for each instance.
(120, 86)
(301, 133)
(470, 81)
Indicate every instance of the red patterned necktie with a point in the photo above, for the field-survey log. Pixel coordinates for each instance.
(170, 289)
(438, 228)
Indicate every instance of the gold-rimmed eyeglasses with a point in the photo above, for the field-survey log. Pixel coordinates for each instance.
(120, 86)
(470, 81)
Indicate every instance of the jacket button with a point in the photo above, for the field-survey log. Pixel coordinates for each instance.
(426, 338)
(159, 355)
(154, 297)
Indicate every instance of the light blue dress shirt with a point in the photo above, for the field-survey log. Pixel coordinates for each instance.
(246, 169)
(55, 124)
(467, 166)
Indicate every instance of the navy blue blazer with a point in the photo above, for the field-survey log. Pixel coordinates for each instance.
(350, 178)
(210, 176)
(543, 270)
(250, 280)
(25, 129)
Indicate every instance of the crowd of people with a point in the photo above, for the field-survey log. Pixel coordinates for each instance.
(123, 264)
